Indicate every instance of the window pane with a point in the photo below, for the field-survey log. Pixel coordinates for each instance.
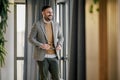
(20, 29)
(20, 64)
(58, 13)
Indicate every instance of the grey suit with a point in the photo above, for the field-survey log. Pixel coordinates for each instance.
(38, 36)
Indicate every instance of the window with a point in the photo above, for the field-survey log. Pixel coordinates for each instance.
(19, 40)
(63, 19)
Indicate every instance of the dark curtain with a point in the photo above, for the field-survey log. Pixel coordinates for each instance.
(77, 66)
(33, 14)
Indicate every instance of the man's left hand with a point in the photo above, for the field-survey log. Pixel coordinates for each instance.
(58, 47)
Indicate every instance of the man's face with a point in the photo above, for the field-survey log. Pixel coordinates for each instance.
(48, 14)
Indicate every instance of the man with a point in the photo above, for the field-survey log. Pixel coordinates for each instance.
(47, 38)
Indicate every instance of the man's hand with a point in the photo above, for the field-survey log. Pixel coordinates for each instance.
(58, 47)
(45, 46)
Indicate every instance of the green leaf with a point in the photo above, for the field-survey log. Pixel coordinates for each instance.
(4, 9)
(95, 1)
(91, 8)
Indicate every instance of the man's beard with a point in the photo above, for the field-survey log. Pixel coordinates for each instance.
(47, 18)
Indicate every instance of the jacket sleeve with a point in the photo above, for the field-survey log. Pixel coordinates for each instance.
(32, 36)
(60, 36)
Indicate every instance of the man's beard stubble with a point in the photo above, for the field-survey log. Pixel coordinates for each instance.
(47, 18)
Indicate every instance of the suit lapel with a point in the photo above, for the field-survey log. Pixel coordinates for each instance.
(43, 28)
(53, 30)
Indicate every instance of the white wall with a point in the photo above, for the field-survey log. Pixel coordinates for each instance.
(92, 43)
(7, 72)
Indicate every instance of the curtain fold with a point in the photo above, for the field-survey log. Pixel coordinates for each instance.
(33, 14)
(77, 66)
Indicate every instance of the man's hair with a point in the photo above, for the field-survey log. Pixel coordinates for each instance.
(45, 7)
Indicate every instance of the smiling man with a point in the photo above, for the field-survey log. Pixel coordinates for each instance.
(47, 38)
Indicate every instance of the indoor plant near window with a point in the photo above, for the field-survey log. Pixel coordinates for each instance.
(92, 5)
(4, 5)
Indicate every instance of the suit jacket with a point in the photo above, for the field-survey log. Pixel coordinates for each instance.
(38, 37)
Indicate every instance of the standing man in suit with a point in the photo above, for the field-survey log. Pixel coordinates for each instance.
(46, 36)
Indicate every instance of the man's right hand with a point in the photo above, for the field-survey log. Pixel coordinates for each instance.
(45, 46)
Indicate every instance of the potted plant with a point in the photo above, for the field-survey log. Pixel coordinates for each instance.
(4, 5)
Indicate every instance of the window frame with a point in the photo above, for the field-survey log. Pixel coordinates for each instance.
(15, 38)
(64, 21)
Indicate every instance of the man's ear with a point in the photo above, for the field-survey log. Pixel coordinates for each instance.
(42, 13)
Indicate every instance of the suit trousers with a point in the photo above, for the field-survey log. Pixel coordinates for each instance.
(49, 65)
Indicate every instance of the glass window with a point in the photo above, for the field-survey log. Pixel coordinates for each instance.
(57, 13)
(20, 12)
(20, 29)
(20, 65)
(63, 20)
